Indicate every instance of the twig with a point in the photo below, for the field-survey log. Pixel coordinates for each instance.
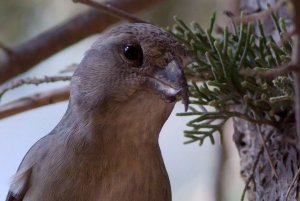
(292, 184)
(112, 11)
(259, 15)
(267, 150)
(253, 168)
(69, 69)
(36, 81)
(246, 186)
(253, 120)
(35, 50)
(34, 101)
(286, 37)
(252, 173)
(271, 73)
(232, 22)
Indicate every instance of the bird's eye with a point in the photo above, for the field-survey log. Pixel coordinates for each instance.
(133, 54)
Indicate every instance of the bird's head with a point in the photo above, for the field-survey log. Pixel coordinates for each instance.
(129, 59)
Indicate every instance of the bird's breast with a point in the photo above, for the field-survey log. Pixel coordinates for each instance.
(135, 169)
(140, 176)
(116, 157)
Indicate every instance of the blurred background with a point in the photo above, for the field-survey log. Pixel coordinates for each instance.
(207, 172)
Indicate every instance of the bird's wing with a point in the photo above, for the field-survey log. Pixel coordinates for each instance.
(21, 180)
(19, 185)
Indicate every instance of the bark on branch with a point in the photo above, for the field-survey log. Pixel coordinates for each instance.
(280, 152)
(256, 169)
(35, 50)
(296, 62)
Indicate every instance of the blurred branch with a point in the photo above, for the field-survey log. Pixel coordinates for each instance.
(112, 11)
(259, 15)
(35, 50)
(296, 62)
(6, 49)
(295, 179)
(35, 81)
(264, 144)
(251, 177)
(272, 73)
(34, 101)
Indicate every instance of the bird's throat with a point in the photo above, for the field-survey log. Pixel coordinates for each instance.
(137, 121)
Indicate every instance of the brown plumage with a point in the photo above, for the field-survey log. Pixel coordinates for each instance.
(105, 148)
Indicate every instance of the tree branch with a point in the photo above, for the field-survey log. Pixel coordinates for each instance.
(112, 11)
(6, 49)
(34, 101)
(296, 62)
(35, 50)
(35, 81)
(259, 15)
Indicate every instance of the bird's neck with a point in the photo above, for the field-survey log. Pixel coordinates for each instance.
(136, 121)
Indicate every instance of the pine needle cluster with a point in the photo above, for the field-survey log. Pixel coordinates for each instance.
(224, 87)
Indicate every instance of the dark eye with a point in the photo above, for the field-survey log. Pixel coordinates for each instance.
(133, 54)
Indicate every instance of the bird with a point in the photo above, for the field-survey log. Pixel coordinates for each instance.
(105, 147)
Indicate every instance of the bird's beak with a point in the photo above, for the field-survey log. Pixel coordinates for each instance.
(170, 83)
